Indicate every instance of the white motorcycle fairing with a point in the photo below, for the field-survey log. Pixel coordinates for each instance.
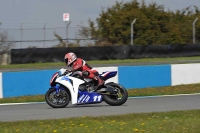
(72, 84)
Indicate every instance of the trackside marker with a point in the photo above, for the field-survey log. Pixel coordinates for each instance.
(21, 103)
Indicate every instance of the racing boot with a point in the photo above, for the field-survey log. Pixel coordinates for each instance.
(99, 85)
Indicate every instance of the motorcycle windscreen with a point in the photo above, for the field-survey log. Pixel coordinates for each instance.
(53, 78)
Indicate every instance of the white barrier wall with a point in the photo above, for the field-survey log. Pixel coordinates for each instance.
(1, 88)
(185, 74)
(103, 69)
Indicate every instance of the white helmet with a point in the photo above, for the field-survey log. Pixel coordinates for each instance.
(70, 58)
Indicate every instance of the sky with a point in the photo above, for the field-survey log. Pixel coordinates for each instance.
(49, 14)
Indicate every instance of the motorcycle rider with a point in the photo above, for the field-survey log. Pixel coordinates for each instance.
(78, 64)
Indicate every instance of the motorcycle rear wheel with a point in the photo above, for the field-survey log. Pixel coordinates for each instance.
(116, 100)
(57, 101)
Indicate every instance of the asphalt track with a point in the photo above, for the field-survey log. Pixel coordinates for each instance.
(41, 111)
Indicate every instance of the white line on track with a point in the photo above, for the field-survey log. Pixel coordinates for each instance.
(21, 103)
(166, 95)
(128, 98)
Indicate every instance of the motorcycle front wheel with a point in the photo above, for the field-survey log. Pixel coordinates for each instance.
(55, 100)
(118, 99)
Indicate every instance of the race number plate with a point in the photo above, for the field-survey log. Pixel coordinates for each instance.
(86, 97)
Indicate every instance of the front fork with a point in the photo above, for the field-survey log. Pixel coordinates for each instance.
(58, 89)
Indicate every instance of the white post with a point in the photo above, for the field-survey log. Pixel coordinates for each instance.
(66, 19)
(194, 30)
(4, 59)
(132, 31)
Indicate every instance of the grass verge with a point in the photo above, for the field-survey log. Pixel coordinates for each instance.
(41, 65)
(171, 90)
(163, 122)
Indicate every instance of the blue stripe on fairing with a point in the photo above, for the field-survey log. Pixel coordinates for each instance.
(26, 83)
(144, 76)
(66, 78)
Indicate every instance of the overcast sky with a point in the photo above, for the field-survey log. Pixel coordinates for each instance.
(51, 11)
(33, 13)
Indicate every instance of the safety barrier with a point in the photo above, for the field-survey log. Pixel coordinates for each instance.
(33, 82)
(25, 83)
(185, 74)
(144, 76)
(1, 92)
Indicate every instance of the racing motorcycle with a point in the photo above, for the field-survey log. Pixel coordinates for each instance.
(69, 86)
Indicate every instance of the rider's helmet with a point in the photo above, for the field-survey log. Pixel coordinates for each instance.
(70, 58)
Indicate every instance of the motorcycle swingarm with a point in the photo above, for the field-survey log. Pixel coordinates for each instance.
(107, 89)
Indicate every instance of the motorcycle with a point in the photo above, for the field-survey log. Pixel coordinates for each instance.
(69, 86)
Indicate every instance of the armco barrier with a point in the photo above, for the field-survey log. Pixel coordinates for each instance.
(145, 76)
(37, 82)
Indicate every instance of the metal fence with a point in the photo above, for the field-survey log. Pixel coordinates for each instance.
(42, 35)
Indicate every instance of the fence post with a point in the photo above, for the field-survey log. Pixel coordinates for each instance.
(44, 34)
(68, 23)
(194, 30)
(132, 31)
(21, 35)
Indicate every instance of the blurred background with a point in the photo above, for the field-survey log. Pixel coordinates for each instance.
(40, 24)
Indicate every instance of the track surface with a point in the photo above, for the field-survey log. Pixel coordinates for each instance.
(41, 111)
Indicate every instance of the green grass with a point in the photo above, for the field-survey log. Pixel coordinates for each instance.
(169, 90)
(162, 122)
(41, 65)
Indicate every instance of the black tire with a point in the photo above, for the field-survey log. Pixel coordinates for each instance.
(57, 105)
(113, 101)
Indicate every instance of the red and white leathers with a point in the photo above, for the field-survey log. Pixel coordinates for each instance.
(79, 64)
